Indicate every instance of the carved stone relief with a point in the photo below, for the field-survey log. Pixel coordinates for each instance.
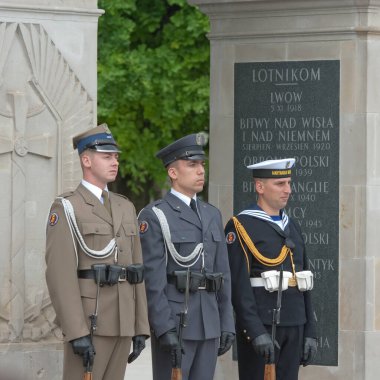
(42, 105)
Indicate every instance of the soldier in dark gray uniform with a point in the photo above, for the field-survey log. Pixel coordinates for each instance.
(176, 239)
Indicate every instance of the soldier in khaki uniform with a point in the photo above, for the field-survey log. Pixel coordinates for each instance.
(94, 226)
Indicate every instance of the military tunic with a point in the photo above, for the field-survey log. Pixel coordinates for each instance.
(208, 313)
(122, 309)
(254, 305)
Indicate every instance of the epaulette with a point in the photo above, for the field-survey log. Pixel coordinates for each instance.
(121, 196)
(157, 202)
(209, 204)
(66, 194)
(150, 206)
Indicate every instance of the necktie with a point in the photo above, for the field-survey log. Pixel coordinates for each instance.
(106, 201)
(193, 206)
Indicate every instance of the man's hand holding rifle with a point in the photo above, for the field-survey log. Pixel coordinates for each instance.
(172, 342)
(264, 344)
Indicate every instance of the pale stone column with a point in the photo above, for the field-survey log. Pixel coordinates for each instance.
(286, 30)
(48, 87)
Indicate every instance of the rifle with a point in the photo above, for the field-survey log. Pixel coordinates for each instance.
(270, 369)
(93, 318)
(176, 369)
(88, 373)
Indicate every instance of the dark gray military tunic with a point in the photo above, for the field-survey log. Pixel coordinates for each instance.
(208, 313)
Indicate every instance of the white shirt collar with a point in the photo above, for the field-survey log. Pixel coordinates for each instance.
(97, 191)
(182, 197)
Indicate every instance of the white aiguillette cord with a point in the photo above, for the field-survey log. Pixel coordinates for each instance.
(179, 259)
(74, 229)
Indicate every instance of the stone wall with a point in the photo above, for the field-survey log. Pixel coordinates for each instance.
(48, 52)
(286, 30)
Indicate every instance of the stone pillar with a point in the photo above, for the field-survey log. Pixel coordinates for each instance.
(338, 30)
(48, 87)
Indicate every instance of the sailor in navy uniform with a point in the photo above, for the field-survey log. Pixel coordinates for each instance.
(262, 240)
(176, 238)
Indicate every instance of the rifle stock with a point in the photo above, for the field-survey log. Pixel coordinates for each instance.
(270, 372)
(176, 374)
(176, 369)
(270, 369)
(87, 376)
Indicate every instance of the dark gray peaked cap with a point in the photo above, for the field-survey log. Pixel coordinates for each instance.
(186, 148)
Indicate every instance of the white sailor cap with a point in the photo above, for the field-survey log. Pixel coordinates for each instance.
(273, 168)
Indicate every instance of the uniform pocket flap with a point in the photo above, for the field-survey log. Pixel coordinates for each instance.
(173, 294)
(216, 235)
(96, 229)
(87, 288)
(129, 229)
(184, 236)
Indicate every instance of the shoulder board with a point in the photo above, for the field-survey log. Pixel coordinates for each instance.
(154, 203)
(66, 194)
(157, 202)
(121, 196)
(150, 206)
(208, 204)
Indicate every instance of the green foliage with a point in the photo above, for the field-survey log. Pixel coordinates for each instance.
(153, 81)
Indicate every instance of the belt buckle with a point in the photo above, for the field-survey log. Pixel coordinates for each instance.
(202, 287)
(123, 276)
(292, 282)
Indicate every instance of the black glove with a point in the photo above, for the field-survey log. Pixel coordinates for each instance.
(309, 351)
(169, 342)
(138, 346)
(263, 346)
(84, 347)
(226, 340)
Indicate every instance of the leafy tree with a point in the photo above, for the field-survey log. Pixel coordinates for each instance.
(153, 84)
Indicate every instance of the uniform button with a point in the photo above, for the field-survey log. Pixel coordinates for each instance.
(244, 331)
(117, 235)
(248, 338)
(120, 250)
(96, 229)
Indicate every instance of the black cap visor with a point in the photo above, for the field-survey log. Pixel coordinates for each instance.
(187, 155)
(105, 148)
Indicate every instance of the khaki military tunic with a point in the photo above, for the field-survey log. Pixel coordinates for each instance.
(122, 309)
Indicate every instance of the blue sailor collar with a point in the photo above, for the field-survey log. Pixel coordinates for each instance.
(257, 212)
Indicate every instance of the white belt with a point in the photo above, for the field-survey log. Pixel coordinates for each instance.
(256, 282)
(270, 280)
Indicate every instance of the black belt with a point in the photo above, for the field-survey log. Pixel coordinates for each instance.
(172, 279)
(91, 274)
